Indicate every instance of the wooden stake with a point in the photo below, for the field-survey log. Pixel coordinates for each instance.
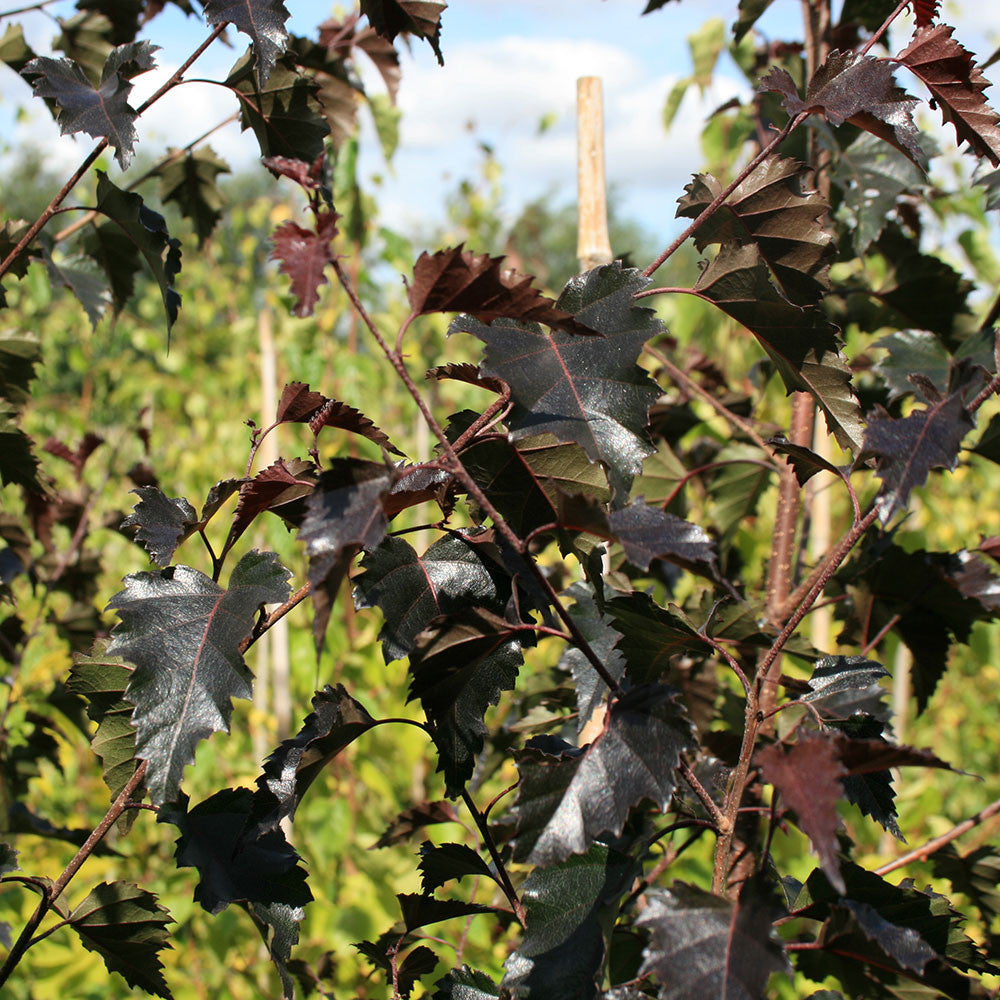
(593, 245)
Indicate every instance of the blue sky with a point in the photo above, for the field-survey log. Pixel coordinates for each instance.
(506, 66)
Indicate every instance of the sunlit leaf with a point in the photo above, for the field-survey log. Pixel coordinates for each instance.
(161, 522)
(650, 635)
(466, 984)
(304, 255)
(842, 685)
(182, 632)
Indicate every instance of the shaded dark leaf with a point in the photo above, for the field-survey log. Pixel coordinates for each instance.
(190, 180)
(865, 756)
(278, 924)
(14, 50)
(126, 926)
(459, 668)
(773, 210)
(913, 351)
(342, 38)
(749, 12)
(647, 532)
(870, 791)
(132, 231)
(633, 759)
(805, 462)
(872, 175)
(801, 342)
(236, 862)
(957, 83)
(161, 523)
(596, 628)
(304, 255)
(335, 722)
(413, 590)
(417, 817)
(858, 89)
(706, 946)
(103, 111)
(182, 632)
(465, 372)
(85, 280)
(284, 114)
(298, 404)
(588, 390)
(808, 774)
(421, 18)
(975, 874)
(466, 984)
(567, 905)
(262, 20)
(421, 911)
(419, 962)
(737, 487)
(440, 864)
(907, 448)
(651, 635)
(457, 280)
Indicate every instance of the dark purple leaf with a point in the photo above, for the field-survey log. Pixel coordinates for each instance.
(842, 685)
(633, 759)
(466, 372)
(459, 668)
(409, 821)
(911, 351)
(957, 83)
(413, 590)
(773, 210)
(466, 984)
(588, 390)
(802, 343)
(567, 905)
(182, 632)
(421, 961)
(262, 20)
(103, 111)
(304, 255)
(161, 523)
(858, 89)
(805, 462)
(440, 864)
(421, 18)
(190, 181)
(808, 775)
(647, 532)
(236, 862)
(457, 280)
(335, 722)
(907, 448)
(706, 946)
(126, 926)
(421, 911)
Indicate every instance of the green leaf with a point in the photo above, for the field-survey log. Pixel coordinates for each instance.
(102, 112)
(705, 45)
(801, 342)
(189, 179)
(183, 632)
(633, 759)
(262, 20)
(587, 390)
(570, 907)
(126, 926)
(20, 352)
(706, 946)
(132, 231)
(466, 984)
(412, 590)
(907, 448)
(913, 351)
(14, 50)
(440, 864)
(775, 211)
(102, 680)
(459, 668)
(872, 175)
(285, 114)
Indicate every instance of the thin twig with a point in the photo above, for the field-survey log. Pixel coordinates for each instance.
(88, 847)
(933, 846)
(297, 598)
(28, 8)
(728, 190)
(699, 789)
(885, 27)
(484, 832)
